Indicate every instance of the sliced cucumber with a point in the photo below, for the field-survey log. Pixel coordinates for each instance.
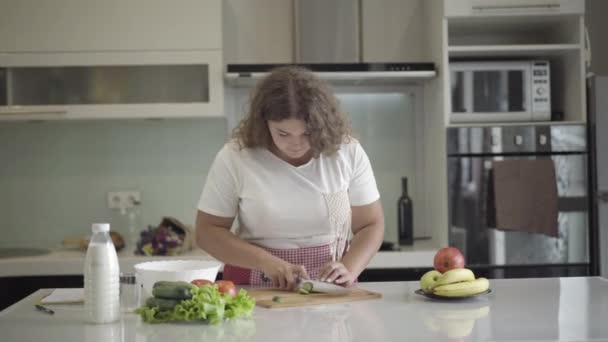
(303, 291)
(307, 286)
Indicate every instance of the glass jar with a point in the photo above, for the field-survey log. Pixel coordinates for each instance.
(129, 292)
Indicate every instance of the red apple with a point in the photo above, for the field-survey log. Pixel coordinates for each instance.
(448, 258)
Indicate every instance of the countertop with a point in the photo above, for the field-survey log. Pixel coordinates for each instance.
(71, 262)
(555, 309)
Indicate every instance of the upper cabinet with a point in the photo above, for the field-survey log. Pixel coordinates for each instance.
(257, 32)
(327, 31)
(318, 31)
(85, 59)
(484, 8)
(111, 85)
(109, 25)
(393, 31)
(549, 32)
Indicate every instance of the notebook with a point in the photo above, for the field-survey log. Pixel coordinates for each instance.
(65, 296)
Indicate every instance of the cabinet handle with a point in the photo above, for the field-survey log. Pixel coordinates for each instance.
(602, 196)
(31, 111)
(515, 7)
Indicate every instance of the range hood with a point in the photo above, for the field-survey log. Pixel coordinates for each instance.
(327, 40)
(340, 73)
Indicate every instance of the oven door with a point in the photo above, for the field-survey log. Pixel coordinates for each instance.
(471, 206)
(490, 92)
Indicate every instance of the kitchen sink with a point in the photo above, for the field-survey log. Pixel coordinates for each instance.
(7, 252)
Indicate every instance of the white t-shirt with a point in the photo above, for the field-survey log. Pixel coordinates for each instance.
(279, 205)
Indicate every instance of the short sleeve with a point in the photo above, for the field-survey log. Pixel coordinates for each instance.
(362, 188)
(220, 192)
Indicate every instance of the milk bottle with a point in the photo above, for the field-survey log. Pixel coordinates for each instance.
(101, 278)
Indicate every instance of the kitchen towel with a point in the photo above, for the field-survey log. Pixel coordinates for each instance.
(525, 196)
(65, 296)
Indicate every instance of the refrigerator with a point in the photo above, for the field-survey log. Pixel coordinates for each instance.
(598, 120)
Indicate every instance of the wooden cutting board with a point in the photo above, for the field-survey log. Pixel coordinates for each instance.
(263, 297)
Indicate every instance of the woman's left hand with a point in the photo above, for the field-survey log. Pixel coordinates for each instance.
(336, 272)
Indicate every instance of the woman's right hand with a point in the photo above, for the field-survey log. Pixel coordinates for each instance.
(284, 275)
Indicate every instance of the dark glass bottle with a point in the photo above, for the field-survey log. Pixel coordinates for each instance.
(405, 216)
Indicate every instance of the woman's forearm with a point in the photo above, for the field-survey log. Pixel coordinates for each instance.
(364, 245)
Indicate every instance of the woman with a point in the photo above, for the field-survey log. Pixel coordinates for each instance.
(298, 184)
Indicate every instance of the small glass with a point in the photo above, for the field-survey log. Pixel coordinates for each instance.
(129, 292)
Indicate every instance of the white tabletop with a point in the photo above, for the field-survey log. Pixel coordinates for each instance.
(548, 309)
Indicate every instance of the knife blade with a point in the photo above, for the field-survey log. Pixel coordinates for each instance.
(323, 287)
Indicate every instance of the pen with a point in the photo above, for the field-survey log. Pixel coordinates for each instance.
(44, 309)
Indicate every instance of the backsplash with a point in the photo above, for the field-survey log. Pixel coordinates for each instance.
(386, 122)
(55, 175)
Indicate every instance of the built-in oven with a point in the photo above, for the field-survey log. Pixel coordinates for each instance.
(518, 199)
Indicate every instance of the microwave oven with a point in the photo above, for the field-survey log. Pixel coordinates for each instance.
(500, 91)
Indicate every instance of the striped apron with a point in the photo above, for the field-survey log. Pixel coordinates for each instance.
(312, 258)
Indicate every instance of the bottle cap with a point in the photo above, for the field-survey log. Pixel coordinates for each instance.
(128, 278)
(100, 227)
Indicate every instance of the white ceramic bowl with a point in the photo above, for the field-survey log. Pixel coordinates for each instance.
(150, 272)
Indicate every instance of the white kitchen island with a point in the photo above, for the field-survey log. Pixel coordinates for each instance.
(543, 309)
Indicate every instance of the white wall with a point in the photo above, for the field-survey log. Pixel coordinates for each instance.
(54, 176)
(387, 124)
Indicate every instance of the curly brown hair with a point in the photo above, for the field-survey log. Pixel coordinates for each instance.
(293, 92)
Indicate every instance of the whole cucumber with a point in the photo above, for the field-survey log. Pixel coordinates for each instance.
(171, 283)
(173, 291)
(163, 304)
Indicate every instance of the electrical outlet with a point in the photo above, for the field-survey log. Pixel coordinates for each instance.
(123, 199)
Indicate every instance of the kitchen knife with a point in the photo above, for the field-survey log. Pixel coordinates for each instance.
(323, 287)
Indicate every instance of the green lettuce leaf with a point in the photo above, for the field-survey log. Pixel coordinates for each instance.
(207, 305)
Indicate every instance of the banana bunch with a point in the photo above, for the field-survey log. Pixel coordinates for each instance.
(458, 282)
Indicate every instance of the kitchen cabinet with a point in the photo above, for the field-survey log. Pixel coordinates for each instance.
(109, 25)
(16, 288)
(88, 59)
(256, 32)
(465, 30)
(484, 8)
(111, 85)
(264, 31)
(550, 35)
(327, 31)
(393, 31)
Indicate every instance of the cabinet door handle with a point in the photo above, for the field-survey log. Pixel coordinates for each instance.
(514, 8)
(33, 111)
(602, 196)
